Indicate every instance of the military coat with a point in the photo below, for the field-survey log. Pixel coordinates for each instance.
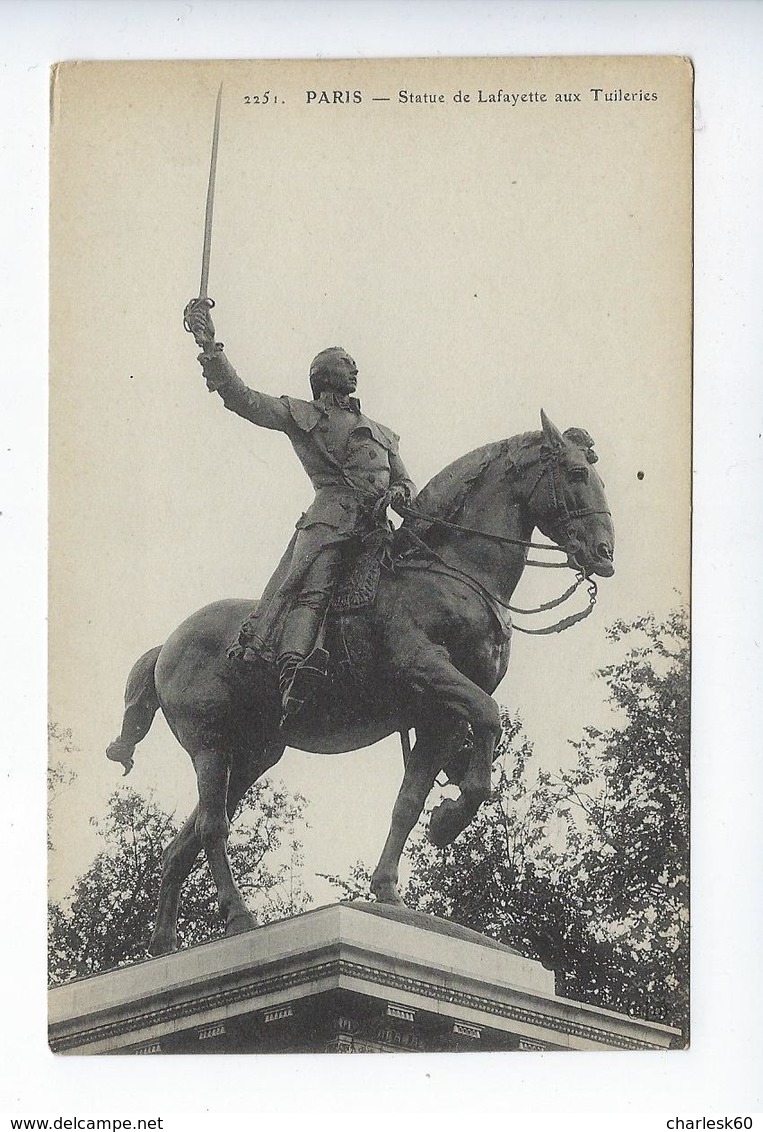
(351, 460)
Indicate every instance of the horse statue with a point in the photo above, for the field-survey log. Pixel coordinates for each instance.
(426, 654)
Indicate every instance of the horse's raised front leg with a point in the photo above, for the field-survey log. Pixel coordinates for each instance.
(428, 668)
(419, 776)
(451, 816)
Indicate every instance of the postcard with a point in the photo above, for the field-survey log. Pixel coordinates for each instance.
(370, 555)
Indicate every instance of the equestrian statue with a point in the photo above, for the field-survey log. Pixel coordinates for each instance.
(363, 630)
(422, 647)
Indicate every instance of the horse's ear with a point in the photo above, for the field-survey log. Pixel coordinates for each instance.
(552, 434)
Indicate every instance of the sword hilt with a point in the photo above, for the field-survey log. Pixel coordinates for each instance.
(197, 321)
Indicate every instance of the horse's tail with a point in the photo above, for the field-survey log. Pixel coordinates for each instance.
(141, 704)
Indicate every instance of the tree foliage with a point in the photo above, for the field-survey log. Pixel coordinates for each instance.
(356, 885)
(107, 918)
(626, 808)
(59, 774)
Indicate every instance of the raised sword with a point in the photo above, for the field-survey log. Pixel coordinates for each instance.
(196, 317)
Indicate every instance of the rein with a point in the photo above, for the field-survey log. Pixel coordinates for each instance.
(566, 622)
(410, 513)
(494, 602)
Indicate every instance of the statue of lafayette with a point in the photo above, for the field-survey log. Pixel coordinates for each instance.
(356, 470)
(432, 643)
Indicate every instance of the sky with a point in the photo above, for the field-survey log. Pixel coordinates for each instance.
(479, 260)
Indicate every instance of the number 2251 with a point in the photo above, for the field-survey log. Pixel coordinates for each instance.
(260, 99)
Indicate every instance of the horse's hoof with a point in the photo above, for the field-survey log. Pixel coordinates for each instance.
(387, 894)
(162, 945)
(445, 823)
(244, 922)
(120, 751)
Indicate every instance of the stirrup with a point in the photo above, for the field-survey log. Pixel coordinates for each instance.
(299, 684)
(288, 667)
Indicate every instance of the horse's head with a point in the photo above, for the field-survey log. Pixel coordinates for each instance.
(566, 500)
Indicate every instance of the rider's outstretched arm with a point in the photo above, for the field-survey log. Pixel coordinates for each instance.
(259, 408)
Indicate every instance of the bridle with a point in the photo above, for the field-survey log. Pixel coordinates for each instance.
(561, 515)
(559, 518)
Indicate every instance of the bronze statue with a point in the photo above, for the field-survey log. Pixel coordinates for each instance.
(427, 653)
(356, 470)
(424, 648)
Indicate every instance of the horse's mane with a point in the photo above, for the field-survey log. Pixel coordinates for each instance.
(446, 493)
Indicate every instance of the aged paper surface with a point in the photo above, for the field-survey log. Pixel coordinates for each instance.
(486, 237)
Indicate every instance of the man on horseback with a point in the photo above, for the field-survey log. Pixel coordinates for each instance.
(355, 467)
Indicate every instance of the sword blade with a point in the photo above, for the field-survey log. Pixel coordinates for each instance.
(210, 201)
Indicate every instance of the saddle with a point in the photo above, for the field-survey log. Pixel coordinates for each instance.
(357, 585)
(342, 640)
(346, 636)
(341, 663)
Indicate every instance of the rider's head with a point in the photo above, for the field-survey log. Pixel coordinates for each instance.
(333, 369)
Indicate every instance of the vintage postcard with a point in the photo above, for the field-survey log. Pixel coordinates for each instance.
(370, 531)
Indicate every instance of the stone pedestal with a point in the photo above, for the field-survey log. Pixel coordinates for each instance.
(348, 978)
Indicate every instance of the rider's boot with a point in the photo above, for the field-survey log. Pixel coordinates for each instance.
(301, 666)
